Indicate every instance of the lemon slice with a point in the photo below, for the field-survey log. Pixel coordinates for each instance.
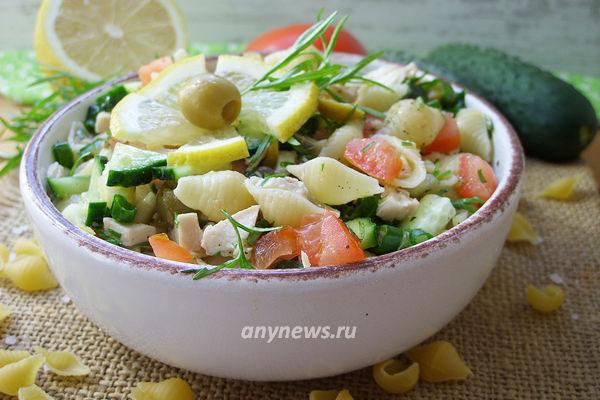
(97, 39)
(278, 113)
(152, 116)
(209, 153)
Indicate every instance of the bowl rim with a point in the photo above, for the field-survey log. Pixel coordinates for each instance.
(123, 256)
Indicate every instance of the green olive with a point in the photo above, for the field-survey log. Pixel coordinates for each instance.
(210, 102)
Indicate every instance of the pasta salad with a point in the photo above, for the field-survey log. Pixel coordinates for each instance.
(288, 160)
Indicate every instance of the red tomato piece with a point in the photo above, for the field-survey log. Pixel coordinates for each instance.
(282, 38)
(328, 241)
(476, 177)
(275, 246)
(375, 157)
(447, 140)
(372, 125)
(165, 248)
(145, 71)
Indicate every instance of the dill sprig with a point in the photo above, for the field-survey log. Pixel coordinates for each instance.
(23, 126)
(470, 204)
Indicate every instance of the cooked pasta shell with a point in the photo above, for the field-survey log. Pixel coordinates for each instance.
(336, 143)
(393, 77)
(19, 374)
(474, 136)
(12, 356)
(169, 389)
(560, 189)
(394, 377)
(330, 395)
(439, 362)
(30, 273)
(413, 167)
(280, 206)
(521, 230)
(546, 299)
(5, 312)
(414, 120)
(64, 363)
(331, 182)
(27, 246)
(33, 392)
(211, 192)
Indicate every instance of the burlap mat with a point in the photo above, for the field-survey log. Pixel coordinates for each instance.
(514, 353)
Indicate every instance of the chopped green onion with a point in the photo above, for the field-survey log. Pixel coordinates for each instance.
(110, 236)
(468, 204)
(122, 210)
(481, 177)
(63, 154)
(95, 213)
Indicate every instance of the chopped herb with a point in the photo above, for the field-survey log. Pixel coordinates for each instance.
(365, 207)
(260, 152)
(407, 143)
(110, 236)
(481, 177)
(468, 204)
(322, 166)
(367, 146)
(273, 175)
(438, 174)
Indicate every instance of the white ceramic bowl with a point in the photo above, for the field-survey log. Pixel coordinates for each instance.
(395, 301)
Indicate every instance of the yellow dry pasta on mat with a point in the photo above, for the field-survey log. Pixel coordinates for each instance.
(560, 189)
(5, 312)
(20, 374)
(12, 356)
(546, 299)
(169, 389)
(30, 273)
(33, 392)
(330, 395)
(439, 362)
(27, 246)
(521, 230)
(64, 363)
(394, 377)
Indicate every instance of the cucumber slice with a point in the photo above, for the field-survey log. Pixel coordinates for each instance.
(171, 173)
(389, 238)
(130, 166)
(432, 216)
(122, 210)
(365, 230)
(68, 185)
(63, 154)
(96, 211)
(474, 136)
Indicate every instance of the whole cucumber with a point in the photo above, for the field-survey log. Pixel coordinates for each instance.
(554, 121)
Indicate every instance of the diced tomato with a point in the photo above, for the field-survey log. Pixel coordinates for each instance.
(165, 248)
(476, 177)
(447, 140)
(375, 157)
(145, 71)
(275, 246)
(372, 125)
(328, 241)
(283, 38)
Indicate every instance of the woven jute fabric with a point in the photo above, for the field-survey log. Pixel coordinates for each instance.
(514, 352)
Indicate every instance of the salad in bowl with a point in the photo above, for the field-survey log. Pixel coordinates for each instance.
(293, 159)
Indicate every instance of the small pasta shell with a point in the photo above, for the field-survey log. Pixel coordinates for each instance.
(30, 273)
(330, 395)
(413, 167)
(211, 192)
(560, 189)
(546, 299)
(33, 392)
(331, 182)
(19, 374)
(474, 136)
(394, 377)
(336, 143)
(439, 362)
(63, 363)
(12, 356)
(414, 120)
(27, 246)
(521, 230)
(169, 389)
(5, 312)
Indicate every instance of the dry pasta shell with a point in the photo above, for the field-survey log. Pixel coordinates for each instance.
(27, 246)
(546, 299)
(394, 377)
(5, 312)
(30, 273)
(20, 374)
(63, 363)
(330, 395)
(4, 254)
(521, 230)
(33, 392)
(169, 389)
(12, 356)
(439, 362)
(560, 189)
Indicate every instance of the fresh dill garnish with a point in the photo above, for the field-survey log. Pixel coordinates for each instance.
(240, 260)
(468, 204)
(367, 147)
(438, 173)
(407, 143)
(481, 176)
(273, 175)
